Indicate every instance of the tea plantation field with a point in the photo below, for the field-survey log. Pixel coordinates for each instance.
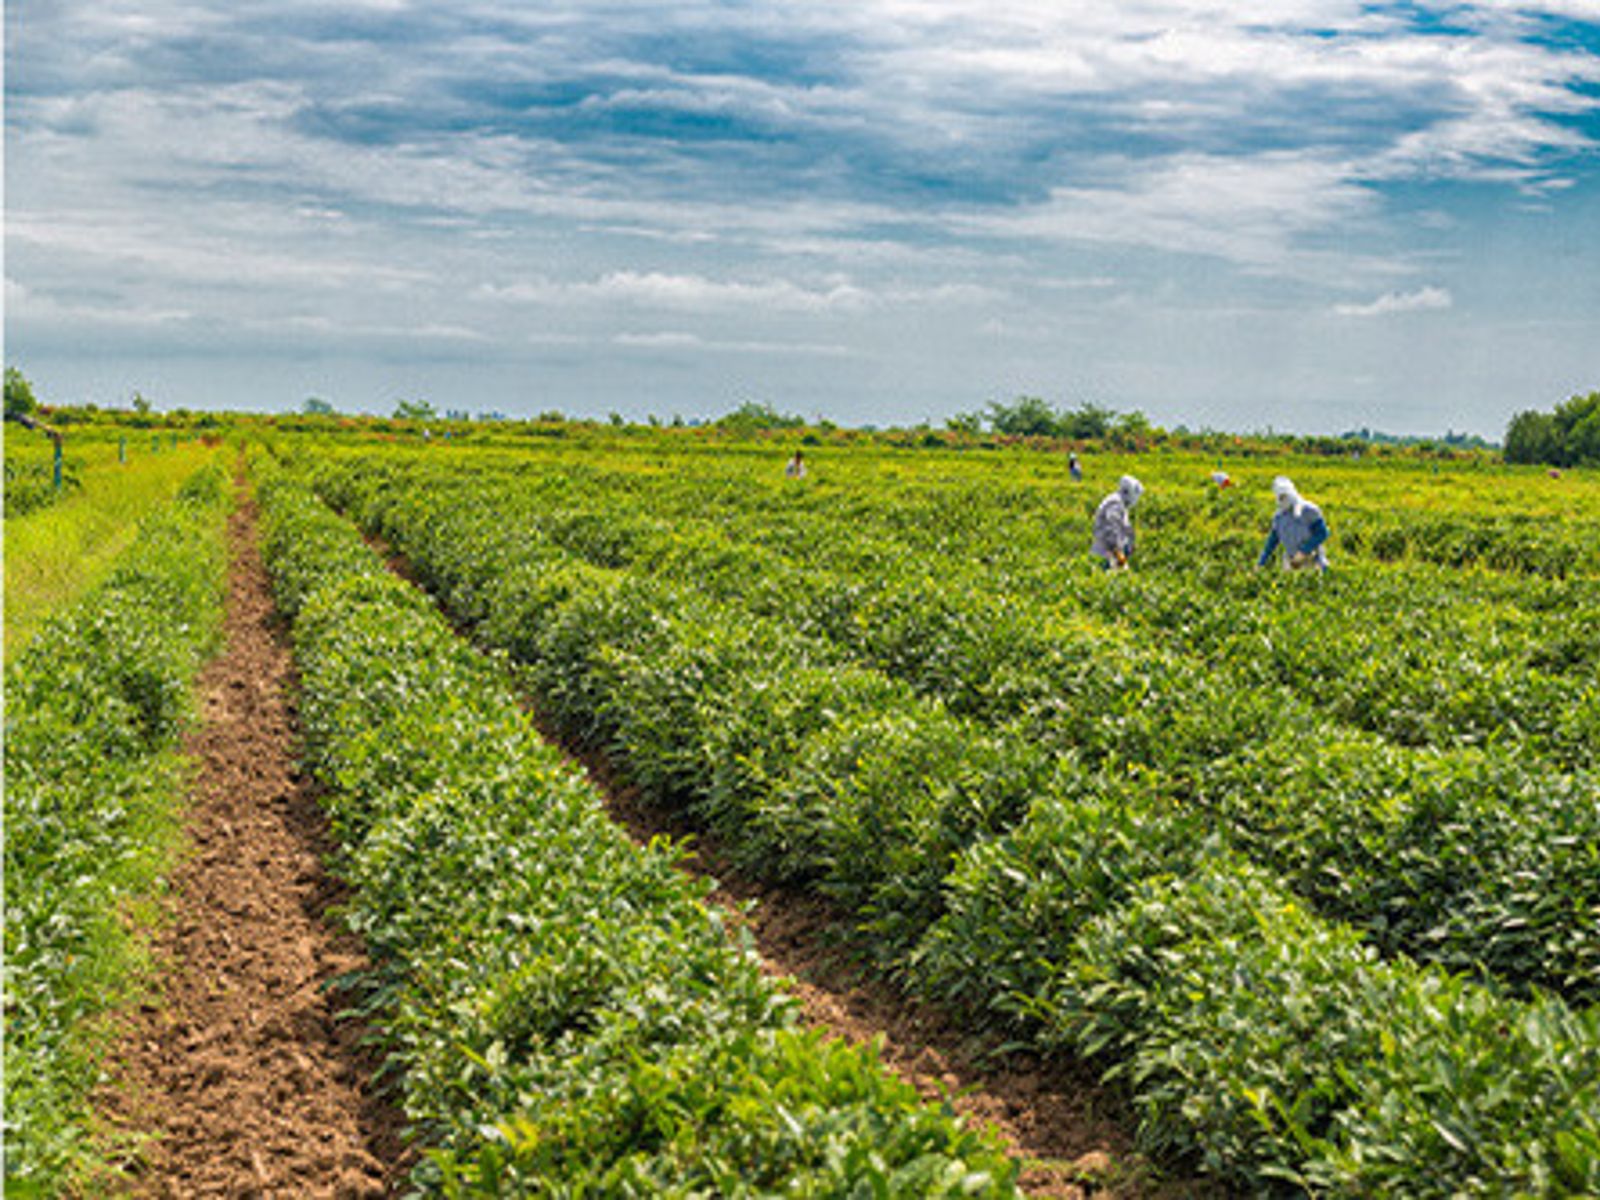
(1305, 865)
(1308, 864)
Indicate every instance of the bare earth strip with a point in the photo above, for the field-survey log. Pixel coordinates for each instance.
(238, 1066)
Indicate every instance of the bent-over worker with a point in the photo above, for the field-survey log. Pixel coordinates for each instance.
(1113, 524)
(1297, 527)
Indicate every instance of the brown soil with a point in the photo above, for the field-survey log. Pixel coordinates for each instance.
(237, 1077)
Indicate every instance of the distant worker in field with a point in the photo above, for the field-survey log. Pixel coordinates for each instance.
(797, 466)
(1297, 527)
(1222, 479)
(1074, 467)
(1113, 524)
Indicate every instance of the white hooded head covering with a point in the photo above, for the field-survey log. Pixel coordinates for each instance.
(1130, 489)
(1288, 497)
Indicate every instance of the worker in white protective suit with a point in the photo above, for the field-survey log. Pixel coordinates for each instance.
(1297, 527)
(1113, 524)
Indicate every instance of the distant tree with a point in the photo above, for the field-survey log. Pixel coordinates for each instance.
(1092, 421)
(22, 406)
(1531, 438)
(1567, 437)
(414, 410)
(1030, 416)
(140, 404)
(1027, 416)
(316, 406)
(968, 423)
(751, 417)
(1134, 423)
(20, 401)
(1579, 422)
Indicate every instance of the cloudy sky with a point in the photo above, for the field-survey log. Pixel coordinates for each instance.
(1306, 215)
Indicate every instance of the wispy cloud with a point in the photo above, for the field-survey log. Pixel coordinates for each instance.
(1423, 299)
(676, 339)
(657, 289)
(699, 293)
(31, 308)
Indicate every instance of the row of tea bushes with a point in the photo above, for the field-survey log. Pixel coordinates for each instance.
(1086, 908)
(564, 1013)
(93, 784)
(1425, 657)
(1470, 857)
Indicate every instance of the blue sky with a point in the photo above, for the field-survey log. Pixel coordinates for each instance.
(1310, 215)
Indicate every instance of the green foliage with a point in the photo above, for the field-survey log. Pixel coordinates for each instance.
(1271, 1045)
(1567, 437)
(758, 417)
(1027, 416)
(565, 1013)
(94, 706)
(30, 484)
(768, 1113)
(907, 692)
(1030, 416)
(20, 401)
(415, 410)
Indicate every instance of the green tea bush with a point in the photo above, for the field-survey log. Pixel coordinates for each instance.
(1270, 1045)
(30, 485)
(1013, 902)
(564, 1014)
(876, 809)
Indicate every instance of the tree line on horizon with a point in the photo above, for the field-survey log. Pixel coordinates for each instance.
(1567, 437)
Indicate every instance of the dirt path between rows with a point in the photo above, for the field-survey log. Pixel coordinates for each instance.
(1057, 1122)
(1069, 1134)
(237, 1067)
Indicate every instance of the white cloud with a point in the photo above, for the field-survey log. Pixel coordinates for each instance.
(1421, 300)
(673, 339)
(30, 308)
(1250, 210)
(663, 340)
(658, 289)
(699, 293)
(161, 243)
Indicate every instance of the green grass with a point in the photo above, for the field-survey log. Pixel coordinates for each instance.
(57, 554)
(94, 780)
